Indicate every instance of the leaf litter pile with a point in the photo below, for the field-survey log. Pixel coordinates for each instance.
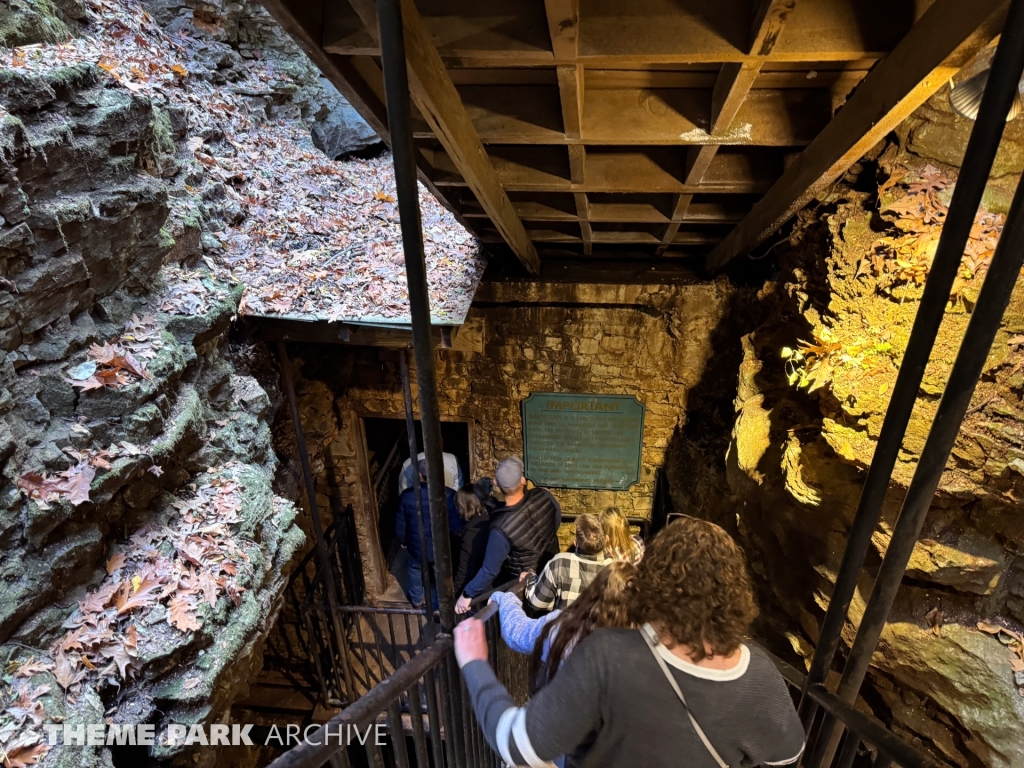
(115, 364)
(314, 238)
(917, 210)
(156, 587)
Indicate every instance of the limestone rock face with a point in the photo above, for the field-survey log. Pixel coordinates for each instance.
(813, 388)
(88, 254)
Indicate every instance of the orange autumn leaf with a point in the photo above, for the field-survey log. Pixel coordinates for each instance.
(139, 594)
(181, 614)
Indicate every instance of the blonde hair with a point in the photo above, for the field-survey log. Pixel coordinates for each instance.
(616, 529)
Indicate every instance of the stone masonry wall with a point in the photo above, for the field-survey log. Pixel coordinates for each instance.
(649, 341)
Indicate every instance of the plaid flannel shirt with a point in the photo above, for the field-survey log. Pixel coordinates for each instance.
(563, 578)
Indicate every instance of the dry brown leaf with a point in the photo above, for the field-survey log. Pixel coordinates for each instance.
(115, 563)
(24, 755)
(991, 629)
(66, 671)
(73, 483)
(32, 667)
(181, 614)
(141, 592)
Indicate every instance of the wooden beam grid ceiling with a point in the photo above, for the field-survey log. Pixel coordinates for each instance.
(665, 128)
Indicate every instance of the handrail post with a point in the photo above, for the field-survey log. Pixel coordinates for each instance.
(314, 510)
(1007, 67)
(396, 87)
(410, 427)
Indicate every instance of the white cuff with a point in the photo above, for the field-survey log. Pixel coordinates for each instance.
(503, 732)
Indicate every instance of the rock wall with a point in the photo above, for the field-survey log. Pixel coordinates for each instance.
(144, 548)
(651, 341)
(813, 387)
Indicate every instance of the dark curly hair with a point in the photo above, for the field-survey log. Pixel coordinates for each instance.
(694, 586)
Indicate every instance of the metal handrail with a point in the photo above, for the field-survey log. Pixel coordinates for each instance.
(365, 710)
(453, 730)
(866, 727)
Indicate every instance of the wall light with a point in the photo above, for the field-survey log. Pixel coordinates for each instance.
(965, 97)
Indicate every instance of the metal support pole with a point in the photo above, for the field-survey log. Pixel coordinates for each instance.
(981, 151)
(318, 528)
(410, 427)
(396, 88)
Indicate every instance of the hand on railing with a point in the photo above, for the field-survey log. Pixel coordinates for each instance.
(471, 641)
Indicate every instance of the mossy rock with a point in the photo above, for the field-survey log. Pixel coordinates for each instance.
(27, 22)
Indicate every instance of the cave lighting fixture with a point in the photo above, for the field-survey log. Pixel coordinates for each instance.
(965, 97)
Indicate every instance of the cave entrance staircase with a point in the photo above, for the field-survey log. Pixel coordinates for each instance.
(416, 688)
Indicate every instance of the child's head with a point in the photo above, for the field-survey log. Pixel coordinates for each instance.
(589, 535)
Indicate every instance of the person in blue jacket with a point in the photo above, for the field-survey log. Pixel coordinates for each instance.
(409, 537)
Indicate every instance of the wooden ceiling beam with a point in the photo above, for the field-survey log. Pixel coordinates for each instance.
(611, 79)
(732, 87)
(609, 33)
(619, 172)
(946, 37)
(583, 213)
(533, 114)
(719, 30)
(681, 116)
(439, 102)
(609, 238)
(616, 213)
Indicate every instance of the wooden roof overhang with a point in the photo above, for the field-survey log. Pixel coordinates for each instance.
(693, 129)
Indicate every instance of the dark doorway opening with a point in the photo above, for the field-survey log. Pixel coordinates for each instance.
(387, 448)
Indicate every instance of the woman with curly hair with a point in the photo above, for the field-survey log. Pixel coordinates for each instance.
(685, 688)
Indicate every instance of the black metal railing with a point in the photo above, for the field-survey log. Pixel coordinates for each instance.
(428, 719)
(424, 709)
(376, 641)
(867, 741)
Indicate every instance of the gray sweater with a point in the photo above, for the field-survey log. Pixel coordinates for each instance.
(611, 706)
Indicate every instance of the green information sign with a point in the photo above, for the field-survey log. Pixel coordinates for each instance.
(583, 441)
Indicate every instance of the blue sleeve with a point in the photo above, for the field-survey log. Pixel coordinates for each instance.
(400, 522)
(519, 631)
(497, 550)
(455, 522)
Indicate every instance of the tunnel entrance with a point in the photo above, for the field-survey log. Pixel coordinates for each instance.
(387, 451)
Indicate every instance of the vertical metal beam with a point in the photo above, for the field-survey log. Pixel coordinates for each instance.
(396, 87)
(410, 427)
(981, 151)
(318, 528)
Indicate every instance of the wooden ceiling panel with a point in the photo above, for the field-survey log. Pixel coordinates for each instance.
(630, 129)
(644, 31)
